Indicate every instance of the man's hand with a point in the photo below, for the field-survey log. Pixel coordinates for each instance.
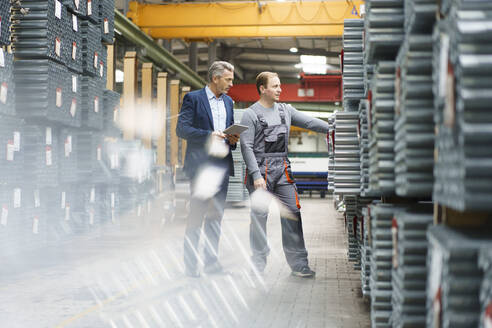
(260, 183)
(218, 134)
(232, 138)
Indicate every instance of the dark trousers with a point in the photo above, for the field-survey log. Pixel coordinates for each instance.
(207, 213)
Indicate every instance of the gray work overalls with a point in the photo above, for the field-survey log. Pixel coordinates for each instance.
(270, 149)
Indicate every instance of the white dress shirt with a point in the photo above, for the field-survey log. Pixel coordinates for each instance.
(217, 106)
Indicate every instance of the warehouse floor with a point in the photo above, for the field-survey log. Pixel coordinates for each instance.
(133, 278)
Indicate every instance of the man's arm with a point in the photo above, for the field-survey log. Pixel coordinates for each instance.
(307, 122)
(247, 143)
(185, 128)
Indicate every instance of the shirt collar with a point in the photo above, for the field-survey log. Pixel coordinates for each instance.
(210, 94)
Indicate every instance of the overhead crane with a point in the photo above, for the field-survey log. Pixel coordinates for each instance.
(206, 21)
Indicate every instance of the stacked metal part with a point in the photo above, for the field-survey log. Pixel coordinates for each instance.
(463, 119)
(381, 258)
(92, 13)
(368, 74)
(38, 30)
(74, 36)
(409, 275)
(91, 47)
(111, 109)
(454, 277)
(347, 160)
(485, 264)
(102, 73)
(353, 69)
(43, 92)
(33, 226)
(236, 188)
(90, 165)
(41, 156)
(331, 155)
(5, 19)
(11, 218)
(351, 224)
(12, 144)
(67, 156)
(109, 206)
(420, 15)
(7, 85)
(112, 159)
(365, 254)
(381, 134)
(92, 102)
(363, 135)
(59, 202)
(86, 216)
(414, 110)
(384, 31)
(106, 20)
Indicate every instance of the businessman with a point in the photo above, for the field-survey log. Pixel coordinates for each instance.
(205, 113)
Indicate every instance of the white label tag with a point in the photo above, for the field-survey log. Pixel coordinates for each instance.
(91, 217)
(73, 107)
(113, 219)
(96, 60)
(10, 151)
(99, 153)
(96, 104)
(75, 23)
(37, 200)
(436, 270)
(89, 7)
(17, 136)
(67, 213)
(69, 141)
(443, 64)
(74, 50)
(92, 197)
(5, 215)
(58, 47)
(106, 26)
(115, 114)
(49, 138)
(49, 156)
(101, 69)
(63, 199)
(74, 83)
(112, 200)
(35, 225)
(3, 92)
(77, 3)
(2, 58)
(17, 198)
(59, 101)
(58, 9)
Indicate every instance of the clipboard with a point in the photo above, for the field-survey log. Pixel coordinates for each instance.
(235, 129)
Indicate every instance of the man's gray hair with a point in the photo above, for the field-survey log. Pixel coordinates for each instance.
(217, 69)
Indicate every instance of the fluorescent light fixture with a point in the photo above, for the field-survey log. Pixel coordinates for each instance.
(119, 76)
(293, 50)
(314, 68)
(308, 59)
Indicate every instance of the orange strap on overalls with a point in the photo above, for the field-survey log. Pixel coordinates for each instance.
(289, 180)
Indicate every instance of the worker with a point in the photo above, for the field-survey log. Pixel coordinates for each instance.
(205, 113)
(264, 149)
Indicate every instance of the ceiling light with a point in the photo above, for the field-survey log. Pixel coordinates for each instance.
(308, 59)
(314, 68)
(293, 50)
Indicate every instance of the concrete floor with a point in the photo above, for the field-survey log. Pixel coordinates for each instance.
(133, 277)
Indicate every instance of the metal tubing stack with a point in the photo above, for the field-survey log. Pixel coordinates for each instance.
(462, 59)
(347, 161)
(409, 274)
(485, 264)
(7, 85)
(381, 134)
(454, 276)
(92, 103)
(106, 20)
(414, 127)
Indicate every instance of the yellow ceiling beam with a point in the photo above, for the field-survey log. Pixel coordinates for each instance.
(244, 19)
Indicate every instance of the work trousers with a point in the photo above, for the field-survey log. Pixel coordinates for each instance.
(281, 184)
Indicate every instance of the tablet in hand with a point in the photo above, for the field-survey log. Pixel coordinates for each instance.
(235, 129)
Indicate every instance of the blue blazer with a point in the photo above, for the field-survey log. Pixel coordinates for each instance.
(195, 124)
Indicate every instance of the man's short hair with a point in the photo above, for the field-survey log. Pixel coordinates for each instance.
(217, 69)
(262, 80)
